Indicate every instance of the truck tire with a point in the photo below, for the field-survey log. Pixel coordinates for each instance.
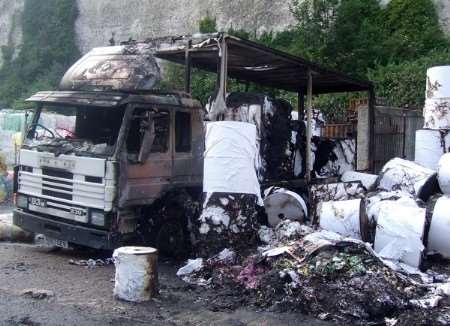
(167, 225)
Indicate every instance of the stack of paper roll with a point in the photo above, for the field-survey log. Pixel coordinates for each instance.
(437, 104)
(431, 144)
(230, 186)
(433, 141)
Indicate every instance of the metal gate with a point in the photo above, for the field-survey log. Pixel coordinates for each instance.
(394, 134)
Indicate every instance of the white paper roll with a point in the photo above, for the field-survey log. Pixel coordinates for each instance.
(136, 276)
(281, 204)
(343, 217)
(230, 154)
(436, 113)
(367, 180)
(438, 237)
(399, 232)
(444, 174)
(430, 146)
(438, 82)
(404, 175)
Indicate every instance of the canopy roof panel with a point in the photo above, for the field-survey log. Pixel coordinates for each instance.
(253, 62)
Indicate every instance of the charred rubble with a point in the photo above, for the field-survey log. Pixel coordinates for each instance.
(317, 271)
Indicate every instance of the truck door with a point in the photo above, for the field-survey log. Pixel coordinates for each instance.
(187, 163)
(149, 155)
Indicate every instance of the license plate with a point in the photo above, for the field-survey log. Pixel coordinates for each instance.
(77, 211)
(56, 243)
(57, 163)
(38, 202)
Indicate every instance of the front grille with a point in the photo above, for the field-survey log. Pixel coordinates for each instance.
(57, 173)
(56, 187)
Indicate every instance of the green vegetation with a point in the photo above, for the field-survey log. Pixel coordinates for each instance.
(48, 49)
(392, 45)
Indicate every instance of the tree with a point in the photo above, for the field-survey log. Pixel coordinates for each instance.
(411, 29)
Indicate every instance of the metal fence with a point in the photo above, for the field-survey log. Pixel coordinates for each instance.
(394, 134)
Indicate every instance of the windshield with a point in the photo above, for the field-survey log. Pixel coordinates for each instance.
(75, 130)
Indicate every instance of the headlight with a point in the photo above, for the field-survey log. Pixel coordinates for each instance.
(98, 218)
(21, 201)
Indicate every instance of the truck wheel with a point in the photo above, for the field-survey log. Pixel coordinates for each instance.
(170, 239)
(167, 226)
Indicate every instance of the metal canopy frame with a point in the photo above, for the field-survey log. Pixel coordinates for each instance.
(252, 62)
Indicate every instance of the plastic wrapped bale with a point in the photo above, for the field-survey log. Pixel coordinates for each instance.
(438, 236)
(400, 231)
(282, 204)
(444, 174)
(403, 175)
(136, 277)
(229, 215)
(367, 180)
(347, 218)
(334, 192)
(430, 146)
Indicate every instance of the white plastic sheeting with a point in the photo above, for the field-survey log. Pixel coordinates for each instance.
(438, 82)
(444, 174)
(192, 265)
(430, 146)
(230, 154)
(282, 204)
(399, 232)
(135, 276)
(403, 175)
(367, 180)
(438, 237)
(342, 217)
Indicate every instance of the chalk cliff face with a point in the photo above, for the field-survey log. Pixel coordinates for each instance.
(10, 24)
(139, 19)
(101, 20)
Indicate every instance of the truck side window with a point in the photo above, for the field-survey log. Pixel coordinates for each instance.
(183, 132)
(140, 121)
(162, 132)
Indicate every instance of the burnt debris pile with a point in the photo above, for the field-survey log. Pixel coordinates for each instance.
(362, 250)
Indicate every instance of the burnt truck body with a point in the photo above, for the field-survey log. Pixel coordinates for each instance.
(129, 148)
(132, 168)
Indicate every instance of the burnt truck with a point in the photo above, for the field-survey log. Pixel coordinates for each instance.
(131, 170)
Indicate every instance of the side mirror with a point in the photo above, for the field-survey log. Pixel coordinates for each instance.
(147, 141)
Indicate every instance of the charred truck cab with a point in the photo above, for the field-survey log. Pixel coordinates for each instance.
(131, 145)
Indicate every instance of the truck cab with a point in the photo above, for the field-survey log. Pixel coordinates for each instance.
(94, 186)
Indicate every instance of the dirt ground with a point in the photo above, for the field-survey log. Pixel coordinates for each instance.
(83, 296)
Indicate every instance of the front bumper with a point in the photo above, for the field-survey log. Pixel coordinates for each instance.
(74, 234)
